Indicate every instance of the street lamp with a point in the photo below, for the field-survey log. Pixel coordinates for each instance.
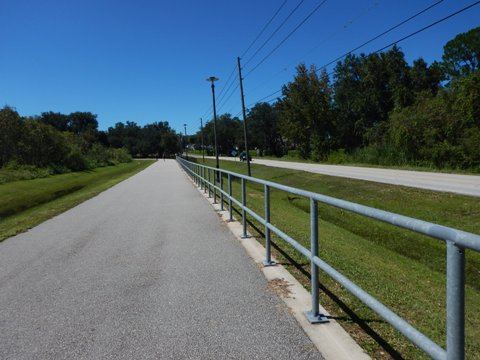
(212, 79)
(186, 145)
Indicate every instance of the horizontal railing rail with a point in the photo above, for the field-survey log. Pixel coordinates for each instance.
(457, 241)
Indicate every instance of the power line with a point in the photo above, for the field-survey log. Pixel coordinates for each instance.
(399, 40)
(228, 97)
(264, 28)
(274, 32)
(330, 36)
(226, 82)
(383, 33)
(220, 98)
(288, 36)
(429, 26)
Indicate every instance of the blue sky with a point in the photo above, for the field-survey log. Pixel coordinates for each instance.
(146, 60)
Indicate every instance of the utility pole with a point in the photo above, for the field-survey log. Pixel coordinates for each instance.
(213, 79)
(186, 146)
(201, 132)
(249, 173)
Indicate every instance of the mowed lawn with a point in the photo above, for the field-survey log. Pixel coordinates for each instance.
(27, 203)
(402, 269)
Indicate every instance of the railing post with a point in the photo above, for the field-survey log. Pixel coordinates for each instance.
(197, 180)
(209, 188)
(314, 315)
(230, 210)
(455, 302)
(244, 213)
(203, 181)
(268, 257)
(221, 193)
(215, 186)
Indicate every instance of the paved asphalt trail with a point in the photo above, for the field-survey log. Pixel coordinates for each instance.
(145, 270)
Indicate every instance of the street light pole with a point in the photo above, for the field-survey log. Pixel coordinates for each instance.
(213, 79)
(186, 146)
(201, 132)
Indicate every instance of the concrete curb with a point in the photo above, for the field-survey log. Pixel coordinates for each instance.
(331, 340)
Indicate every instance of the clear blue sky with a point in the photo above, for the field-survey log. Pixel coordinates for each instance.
(147, 60)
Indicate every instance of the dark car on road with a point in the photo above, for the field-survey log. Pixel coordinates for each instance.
(243, 156)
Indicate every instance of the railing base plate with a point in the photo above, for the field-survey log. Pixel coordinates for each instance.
(315, 319)
(269, 263)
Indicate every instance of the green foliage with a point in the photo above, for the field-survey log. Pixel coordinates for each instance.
(152, 140)
(263, 129)
(462, 54)
(442, 129)
(380, 110)
(229, 135)
(306, 114)
(42, 143)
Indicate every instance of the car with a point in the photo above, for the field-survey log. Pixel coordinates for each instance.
(243, 156)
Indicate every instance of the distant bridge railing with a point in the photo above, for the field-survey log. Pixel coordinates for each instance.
(211, 179)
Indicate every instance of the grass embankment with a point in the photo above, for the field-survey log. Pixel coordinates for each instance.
(404, 270)
(27, 203)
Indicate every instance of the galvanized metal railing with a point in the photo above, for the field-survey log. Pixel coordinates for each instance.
(456, 242)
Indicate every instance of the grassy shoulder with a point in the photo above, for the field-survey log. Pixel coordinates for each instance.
(27, 203)
(404, 270)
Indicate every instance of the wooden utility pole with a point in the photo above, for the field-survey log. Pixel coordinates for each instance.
(249, 173)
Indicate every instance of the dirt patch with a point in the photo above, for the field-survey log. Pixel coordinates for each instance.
(279, 287)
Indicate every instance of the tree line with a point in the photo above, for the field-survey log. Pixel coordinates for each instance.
(374, 108)
(72, 142)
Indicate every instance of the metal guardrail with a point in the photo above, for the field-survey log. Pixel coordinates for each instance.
(456, 240)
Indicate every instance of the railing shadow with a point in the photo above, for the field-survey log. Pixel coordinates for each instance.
(352, 315)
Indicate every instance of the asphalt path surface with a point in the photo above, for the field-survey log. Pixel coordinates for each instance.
(145, 270)
(456, 183)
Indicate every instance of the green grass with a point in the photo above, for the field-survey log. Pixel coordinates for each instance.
(27, 203)
(404, 270)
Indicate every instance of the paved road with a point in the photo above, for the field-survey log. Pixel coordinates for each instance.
(461, 184)
(145, 270)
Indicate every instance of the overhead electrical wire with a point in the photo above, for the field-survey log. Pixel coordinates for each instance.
(428, 26)
(227, 81)
(330, 36)
(274, 32)
(222, 104)
(227, 85)
(264, 28)
(288, 36)
(399, 40)
(383, 33)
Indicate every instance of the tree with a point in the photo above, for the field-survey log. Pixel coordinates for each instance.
(263, 129)
(461, 55)
(305, 112)
(424, 77)
(11, 127)
(229, 134)
(59, 121)
(80, 122)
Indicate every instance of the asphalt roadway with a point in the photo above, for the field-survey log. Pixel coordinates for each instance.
(145, 270)
(455, 183)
